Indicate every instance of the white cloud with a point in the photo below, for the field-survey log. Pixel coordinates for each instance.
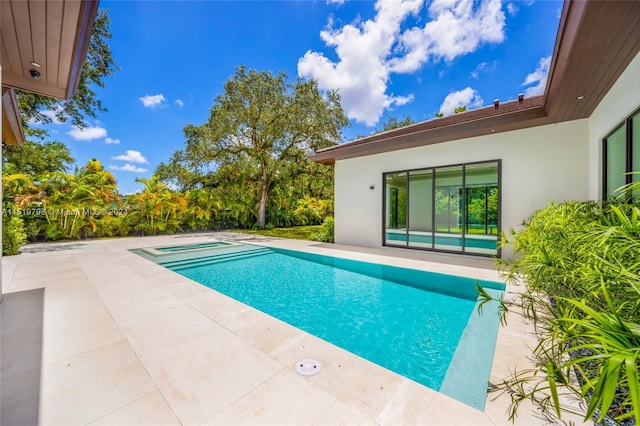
(512, 8)
(466, 97)
(88, 133)
(179, 102)
(484, 68)
(456, 28)
(335, 1)
(110, 141)
(369, 52)
(131, 156)
(152, 101)
(52, 115)
(538, 78)
(129, 168)
(362, 73)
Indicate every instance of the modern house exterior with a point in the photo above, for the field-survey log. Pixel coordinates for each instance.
(453, 183)
(44, 45)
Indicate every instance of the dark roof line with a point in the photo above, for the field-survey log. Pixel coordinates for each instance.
(450, 120)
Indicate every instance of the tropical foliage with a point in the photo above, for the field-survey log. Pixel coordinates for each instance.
(13, 235)
(581, 264)
(54, 205)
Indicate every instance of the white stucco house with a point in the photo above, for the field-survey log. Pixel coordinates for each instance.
(451, 184)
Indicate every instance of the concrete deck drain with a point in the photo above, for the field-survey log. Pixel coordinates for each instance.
(308, 367)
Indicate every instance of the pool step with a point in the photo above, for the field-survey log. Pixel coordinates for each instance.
(218, 258)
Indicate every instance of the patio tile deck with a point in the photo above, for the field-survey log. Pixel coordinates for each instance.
(150, 410)
(82, 388)
(284, 399)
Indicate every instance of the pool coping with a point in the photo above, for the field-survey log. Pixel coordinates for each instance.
(121, 293)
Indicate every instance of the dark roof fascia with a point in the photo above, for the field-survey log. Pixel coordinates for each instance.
(487, 120)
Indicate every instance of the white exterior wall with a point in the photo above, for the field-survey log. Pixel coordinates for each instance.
(618, 104)
(538, 165)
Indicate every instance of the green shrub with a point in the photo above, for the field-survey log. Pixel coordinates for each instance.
(310, 210)
(581, 264)
(13, 235)
(326, 231)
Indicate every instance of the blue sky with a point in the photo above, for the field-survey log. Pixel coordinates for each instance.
(386, 58)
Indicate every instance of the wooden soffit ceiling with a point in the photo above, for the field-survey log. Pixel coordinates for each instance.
(595, 43)
(52, 33)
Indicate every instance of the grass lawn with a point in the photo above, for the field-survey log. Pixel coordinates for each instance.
(295, 232)
(480, 230)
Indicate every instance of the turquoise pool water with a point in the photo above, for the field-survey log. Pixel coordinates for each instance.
(419, 324)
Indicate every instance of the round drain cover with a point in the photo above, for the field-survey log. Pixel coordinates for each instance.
(308, 367)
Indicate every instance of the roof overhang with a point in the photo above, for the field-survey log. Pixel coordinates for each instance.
(53, 34)
(596, 41)
(12, 133)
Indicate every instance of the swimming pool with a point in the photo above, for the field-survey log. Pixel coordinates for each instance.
(419, 324)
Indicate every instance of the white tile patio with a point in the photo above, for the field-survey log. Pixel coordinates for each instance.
(114, 339)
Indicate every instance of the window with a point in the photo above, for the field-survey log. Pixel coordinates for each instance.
(621, 155)
(449, 208)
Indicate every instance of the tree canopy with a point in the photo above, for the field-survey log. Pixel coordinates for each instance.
(389, 124)
(98, 65)
(36, 159)
(259, 133)
(395, 123)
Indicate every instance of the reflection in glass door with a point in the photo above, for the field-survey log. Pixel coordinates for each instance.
(448, 206)
(396, 208)
(481, 218)
(420, 231)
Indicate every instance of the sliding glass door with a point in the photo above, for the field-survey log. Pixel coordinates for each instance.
(451, 208)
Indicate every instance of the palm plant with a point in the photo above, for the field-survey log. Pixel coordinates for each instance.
(158, 208)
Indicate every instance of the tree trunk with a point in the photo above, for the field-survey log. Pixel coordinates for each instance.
(264, 188)
(262, 207)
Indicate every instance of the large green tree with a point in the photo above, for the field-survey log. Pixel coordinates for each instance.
(35, 159)
(98, 65)
(266, 123)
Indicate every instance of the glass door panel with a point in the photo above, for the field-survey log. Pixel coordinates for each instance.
(448, 208)
(616, 146)
(481, 218)
(421, 208)
(396, 209)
